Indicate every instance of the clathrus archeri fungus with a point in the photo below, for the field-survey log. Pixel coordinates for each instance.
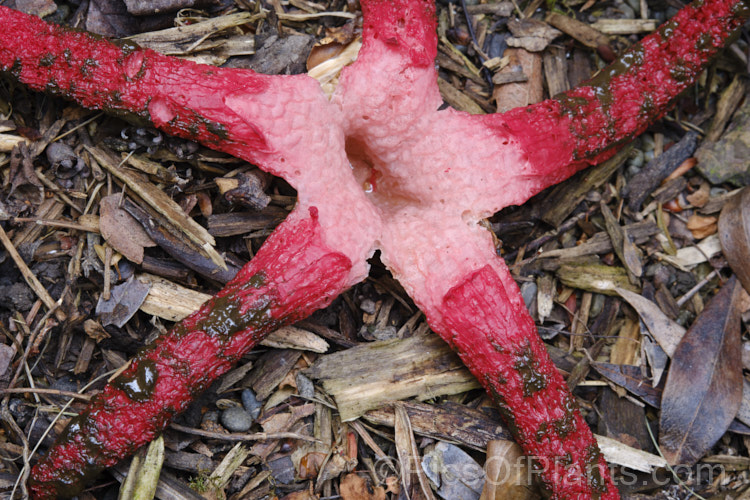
(429, 177)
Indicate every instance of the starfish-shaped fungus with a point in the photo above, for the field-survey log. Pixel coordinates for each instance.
(378, 166)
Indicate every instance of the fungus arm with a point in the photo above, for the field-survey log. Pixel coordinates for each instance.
(588, 124)
(407, 27)
(393, 81)
(283, 124)
(293, 274)
(497, 340)
(472, 302)
(182, 98)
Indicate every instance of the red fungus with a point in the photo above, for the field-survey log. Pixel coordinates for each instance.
(433, 169)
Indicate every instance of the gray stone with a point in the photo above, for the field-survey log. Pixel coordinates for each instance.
(250, 403)
(236, 419)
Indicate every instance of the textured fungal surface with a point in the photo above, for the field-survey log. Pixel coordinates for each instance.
(375, 166)
(293, 275)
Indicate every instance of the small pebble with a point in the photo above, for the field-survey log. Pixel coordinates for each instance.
(627, 10)
(647, 142)
(236, 419)
(592, 197)
(635, 161)
(250, 403)
(597, 304)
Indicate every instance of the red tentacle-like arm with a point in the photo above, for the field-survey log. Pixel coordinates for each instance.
(476, 307)
(294, 274)
(527, 387)
(283, 124)
(251, 116)
(407, 27)
(99, 74)
(587, 124)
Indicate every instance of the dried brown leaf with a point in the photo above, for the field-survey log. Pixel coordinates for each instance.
(355, 487)
(682, 169)
(161, 203)
(624, 248)
(124, 302)
(598, 278)
(632, 379)
(453, 471)
(666, 332)
(322, 52)
(95, 330)
(704, 385)
(110, 18)
(734, 234)
(21, 176)
(301, 495)
(743, 415)
(701, 196)
(507, 473)
(701, 226)
(121, 230)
